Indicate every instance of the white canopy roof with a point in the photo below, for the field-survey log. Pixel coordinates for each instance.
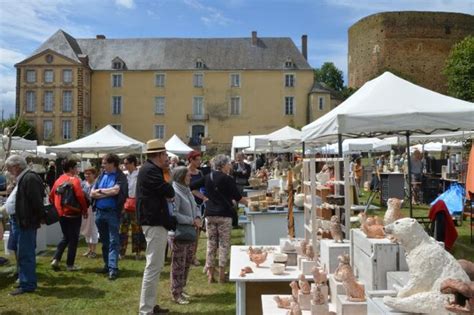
(389, 104)
(285, 139)
(176, 146)
(244, 142)
(105, 140)
(19, 143)
(436, 146)
(357, 145)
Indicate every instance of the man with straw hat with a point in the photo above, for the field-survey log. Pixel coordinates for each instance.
(153, 194)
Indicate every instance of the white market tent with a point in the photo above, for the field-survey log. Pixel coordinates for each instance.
(436, 146)
(244, 142)
(176, 146)
(105, 140)
(356, 145)
(19, 143)
(388, 105)
(286, 139)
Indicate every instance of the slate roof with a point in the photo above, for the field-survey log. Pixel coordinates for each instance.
(180, 53)
(321, 87)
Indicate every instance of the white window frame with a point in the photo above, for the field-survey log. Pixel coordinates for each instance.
(290, 79)
(156, 134)
(30, 76)
(48, 102)
(46, 76)
(198, 105)
(30, 98)
(235, 80)
(160, 105)
(67, 107)
(49, 135)
(117, 127)
(321, 103)
(66, 78)
(198, 80)
(286, 103)
(233, 107)
(117, 105)
(117, 80)
(117, 65)
(158, 83)
(66, 129)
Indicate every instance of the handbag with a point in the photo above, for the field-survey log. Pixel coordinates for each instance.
(130, 205)
(185, 232)
(50, 214)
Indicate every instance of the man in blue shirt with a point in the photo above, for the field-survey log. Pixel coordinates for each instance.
(109, 194)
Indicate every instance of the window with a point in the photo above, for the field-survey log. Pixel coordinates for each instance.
(48, 101)
(160, 80)
(235, 105)
(47, 129)
(48, 76)
(159, 131)
(289, 80)
(30, 101)
(159, 105)
(49, 58)
(67, 102)
(289, 63)
(117, 127)
(200, 64)
(67, 76)
(30, 76)
(67, 130)
(116, 80)
(116, 105)
(198, 105)
(289, 105)
(321, 103)
(198, 80)
(117, 65)
(235, 80)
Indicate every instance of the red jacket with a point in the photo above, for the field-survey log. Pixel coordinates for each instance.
(56, 199)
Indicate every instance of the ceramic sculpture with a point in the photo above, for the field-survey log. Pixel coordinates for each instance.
(336, 230)
(463, 292)
(319, 276)
(310, 252)
(294, 309)
(294, 289)
(318, 296)
(429, 265)
(372, 227)
(354, 291)
(344, 264)
(258, 259)
(393, 212)
(305, 288)
(283, 302)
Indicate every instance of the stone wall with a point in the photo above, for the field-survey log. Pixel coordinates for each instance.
(412, 45)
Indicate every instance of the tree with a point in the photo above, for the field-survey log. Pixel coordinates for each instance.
(329, 74)
(24, 129)
(459, 70)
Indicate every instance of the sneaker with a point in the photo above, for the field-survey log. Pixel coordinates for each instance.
(185, 295)
(92, 255)
(113, 276)
(158, 310)
(181, 300)
(73, 268)
(86, 254)
(55, 265)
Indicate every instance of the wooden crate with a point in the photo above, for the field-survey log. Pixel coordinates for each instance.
(372, 258)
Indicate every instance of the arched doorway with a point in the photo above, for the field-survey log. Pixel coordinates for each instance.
(197, 133)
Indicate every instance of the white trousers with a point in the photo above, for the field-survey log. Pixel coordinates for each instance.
(156, 238)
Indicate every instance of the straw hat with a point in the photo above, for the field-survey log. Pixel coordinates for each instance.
(155, 146)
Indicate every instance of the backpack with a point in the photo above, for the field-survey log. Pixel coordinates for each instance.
(69, 200)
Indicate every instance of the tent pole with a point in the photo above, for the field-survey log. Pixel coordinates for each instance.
(303, 148)
(410, 193)
(339, 144)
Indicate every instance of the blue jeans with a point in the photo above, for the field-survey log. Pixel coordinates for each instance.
(108, 223)
(13, 237)
(27, 259)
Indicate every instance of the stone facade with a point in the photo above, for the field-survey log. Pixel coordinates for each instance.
(412, 45)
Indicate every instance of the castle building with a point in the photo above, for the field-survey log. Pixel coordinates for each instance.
(211, 88)
(412, 45)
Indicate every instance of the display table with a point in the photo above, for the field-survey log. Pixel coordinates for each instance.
(266, 228)
(261, 281)
(269, 306)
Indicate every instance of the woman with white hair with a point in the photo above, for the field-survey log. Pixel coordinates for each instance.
(188, 219)
(222, 193)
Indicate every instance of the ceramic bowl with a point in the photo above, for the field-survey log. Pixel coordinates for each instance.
(280, 258)
(277, 269)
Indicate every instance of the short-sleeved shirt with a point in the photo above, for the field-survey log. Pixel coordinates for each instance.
(107, 180)
(221, 191)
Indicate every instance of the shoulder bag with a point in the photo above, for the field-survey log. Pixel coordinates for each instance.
(185, 232)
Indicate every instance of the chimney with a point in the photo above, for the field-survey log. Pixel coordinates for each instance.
(100, 36)
(254, 38)
(304, 46)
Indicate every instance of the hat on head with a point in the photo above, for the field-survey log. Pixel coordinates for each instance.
(155, 146)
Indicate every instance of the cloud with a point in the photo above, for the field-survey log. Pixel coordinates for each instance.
(129, 4)
(211, 16)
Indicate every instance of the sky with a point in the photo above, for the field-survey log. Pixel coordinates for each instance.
(25, 24)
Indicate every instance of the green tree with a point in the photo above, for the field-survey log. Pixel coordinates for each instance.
(24, 129)
(346, 92)
(459, 70)
(329, 74)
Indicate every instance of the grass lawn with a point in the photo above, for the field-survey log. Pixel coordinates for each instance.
(85, 292)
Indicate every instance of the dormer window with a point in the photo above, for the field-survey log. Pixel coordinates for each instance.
(289, 63)
(118, 64)
(200, 64)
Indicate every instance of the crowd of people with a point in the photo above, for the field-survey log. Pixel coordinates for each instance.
(161, 202)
